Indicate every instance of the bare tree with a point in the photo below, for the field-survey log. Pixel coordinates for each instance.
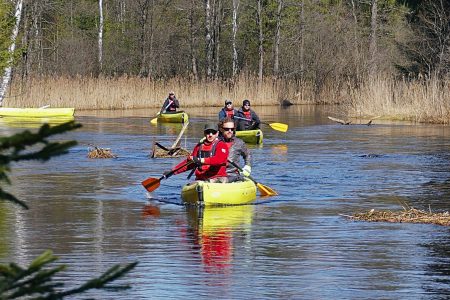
(235, 29)
(260, 41)
(373, 47)
(208, 39)
(143, 8)
(7, 72)
(100, 35)
(276, 63)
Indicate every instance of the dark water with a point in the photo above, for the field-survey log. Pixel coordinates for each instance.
(94, 213)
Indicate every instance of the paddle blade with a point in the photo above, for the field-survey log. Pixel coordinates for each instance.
(154, 120)
(151, 184)
(264, 190)
(279, 126)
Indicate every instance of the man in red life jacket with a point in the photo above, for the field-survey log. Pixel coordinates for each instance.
(227, 111)
(236, 148)
(170, 104)
(246, 118)
(209, 158)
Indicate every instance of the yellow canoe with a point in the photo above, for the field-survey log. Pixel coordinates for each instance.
(36, 112)
(211, 194)
(176, 117)
(251, 136)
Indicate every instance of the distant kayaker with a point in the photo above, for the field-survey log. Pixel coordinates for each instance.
(227, 111)
(237, 149)
(209, 157)
(246, 118)
(170, 104)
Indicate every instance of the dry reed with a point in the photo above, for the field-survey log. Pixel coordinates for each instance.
(411, 215)
(96, 152)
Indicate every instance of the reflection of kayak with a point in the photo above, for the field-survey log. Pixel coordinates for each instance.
(36, 112)
(216, 218)
(251, 136)
(176, 117)
(210, 194)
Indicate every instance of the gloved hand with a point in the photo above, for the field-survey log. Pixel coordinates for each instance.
(246, 170)
(196, 160)
(166, 174)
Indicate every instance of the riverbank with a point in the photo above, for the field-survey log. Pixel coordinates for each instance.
(385, 97)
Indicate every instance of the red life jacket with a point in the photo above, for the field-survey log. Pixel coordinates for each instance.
(230, 113)
(206, 151)
(248, 115)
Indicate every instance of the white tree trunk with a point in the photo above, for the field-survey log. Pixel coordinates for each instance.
(209, 46)
(100, 35)
(235, 28)
(373, 37)
(12, 47)
(261, 40)
(276, 63)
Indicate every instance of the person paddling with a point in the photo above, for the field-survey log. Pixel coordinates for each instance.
(246, 118)
(236, 148)
(209, 158)
(227, 111)
(170, 104)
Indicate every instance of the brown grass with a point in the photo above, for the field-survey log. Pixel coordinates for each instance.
(411, 215)
(96, 152)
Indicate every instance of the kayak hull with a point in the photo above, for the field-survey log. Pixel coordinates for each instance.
(177, 117)
(204, 193)
(36, 112)
(251, 136)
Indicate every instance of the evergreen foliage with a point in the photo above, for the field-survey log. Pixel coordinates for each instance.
(36, 281)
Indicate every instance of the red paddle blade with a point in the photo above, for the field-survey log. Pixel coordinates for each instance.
(151, 184)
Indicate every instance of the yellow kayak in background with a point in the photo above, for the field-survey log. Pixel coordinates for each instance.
(251, 136)
(210, 194)
(36, 112)
(176, 117)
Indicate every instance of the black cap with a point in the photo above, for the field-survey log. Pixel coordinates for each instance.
(210, 126)
(245, 102)
(228, 101)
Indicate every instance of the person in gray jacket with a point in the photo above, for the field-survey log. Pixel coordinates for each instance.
(236, 148)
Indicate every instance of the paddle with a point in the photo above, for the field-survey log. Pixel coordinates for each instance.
(45, 106)
(151, 184)
(263, 189)
(276, 126)
(155, 119)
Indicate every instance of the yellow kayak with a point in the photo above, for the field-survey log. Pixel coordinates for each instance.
(36, 112)
(251, 136)
(176, 117)
(209, 194)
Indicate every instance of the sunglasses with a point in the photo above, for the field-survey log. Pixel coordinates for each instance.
(246, 104)
(210, 132)
(228, 128)
(229, 103)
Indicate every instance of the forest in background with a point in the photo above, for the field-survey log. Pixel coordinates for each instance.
(374, 57)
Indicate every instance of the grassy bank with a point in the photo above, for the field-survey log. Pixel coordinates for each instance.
(420, 101)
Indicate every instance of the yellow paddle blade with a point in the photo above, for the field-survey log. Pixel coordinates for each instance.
(264, 190)
(154, 120)
(279, 126)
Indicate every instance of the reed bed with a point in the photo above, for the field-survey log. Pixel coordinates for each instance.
(414, 100)
(133, 92)
(97, 152)
(411, 215)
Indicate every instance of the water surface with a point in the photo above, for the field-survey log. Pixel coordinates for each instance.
(94, 213)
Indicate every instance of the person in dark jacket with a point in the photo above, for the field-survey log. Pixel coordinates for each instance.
(246, 118)
(170, 104)
(236, 149)
(209, 158)
(227, 111)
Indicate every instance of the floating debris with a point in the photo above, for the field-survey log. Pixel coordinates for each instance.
(411, 215)
(158, 152)
(96, 152)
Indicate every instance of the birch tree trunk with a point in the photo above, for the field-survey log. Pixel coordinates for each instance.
(7, 72)
(218, 16)
(373, 37)
(208, 38)
(235, 29)
(301, 50)
(355, 39)
(261, 40)
(276, 61)
(100, 35)
(143, 72)
(193, 41)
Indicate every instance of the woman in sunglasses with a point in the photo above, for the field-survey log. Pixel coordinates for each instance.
(236, 148)
(209, 157)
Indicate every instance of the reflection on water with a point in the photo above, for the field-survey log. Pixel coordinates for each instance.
(95, 213)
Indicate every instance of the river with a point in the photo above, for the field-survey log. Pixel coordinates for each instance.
(94, 213)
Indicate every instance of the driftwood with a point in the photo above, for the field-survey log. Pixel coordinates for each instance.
(160, 151)
(411, 215)
(96, 152)
(348, 122)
